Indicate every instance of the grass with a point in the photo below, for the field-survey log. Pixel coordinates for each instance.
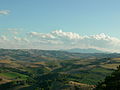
(110, 66)
(83, 62)
(13, 75)
(5, 61)
(101, 70)
(22, 87)
(116, 59)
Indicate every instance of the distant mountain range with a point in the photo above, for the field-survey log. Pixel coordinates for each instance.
(89, 50)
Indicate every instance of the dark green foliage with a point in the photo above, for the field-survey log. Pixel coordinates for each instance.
(46, 82)
(11, 84)
(111, 82)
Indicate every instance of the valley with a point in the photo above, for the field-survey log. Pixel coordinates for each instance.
(54, 70)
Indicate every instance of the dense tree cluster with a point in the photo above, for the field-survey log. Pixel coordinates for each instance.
(111, 82)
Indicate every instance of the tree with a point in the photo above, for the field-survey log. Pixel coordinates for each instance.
(111, 82)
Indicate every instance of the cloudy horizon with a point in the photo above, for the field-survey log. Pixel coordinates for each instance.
(56, 40)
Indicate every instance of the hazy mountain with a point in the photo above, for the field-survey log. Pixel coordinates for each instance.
(89, 50)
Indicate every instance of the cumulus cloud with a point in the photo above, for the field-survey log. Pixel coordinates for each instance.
(74, 40)
(4, 12)
(69, 35)
(59, 39)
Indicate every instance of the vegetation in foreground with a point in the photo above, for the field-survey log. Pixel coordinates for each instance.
(111, 82)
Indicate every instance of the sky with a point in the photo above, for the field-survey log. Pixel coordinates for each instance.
(60, 24)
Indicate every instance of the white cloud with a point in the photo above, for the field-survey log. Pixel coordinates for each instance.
(69, 35)
(21, 40)
(17, 39)
(59, 39)
(74, 40)
(4, 12)
(41, 35)
(3, 38)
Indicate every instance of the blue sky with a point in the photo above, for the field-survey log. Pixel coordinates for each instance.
(83, 17)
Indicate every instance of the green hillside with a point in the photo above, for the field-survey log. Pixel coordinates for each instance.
(54, 70)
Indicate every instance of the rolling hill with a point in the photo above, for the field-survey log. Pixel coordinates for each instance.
(54, 70)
